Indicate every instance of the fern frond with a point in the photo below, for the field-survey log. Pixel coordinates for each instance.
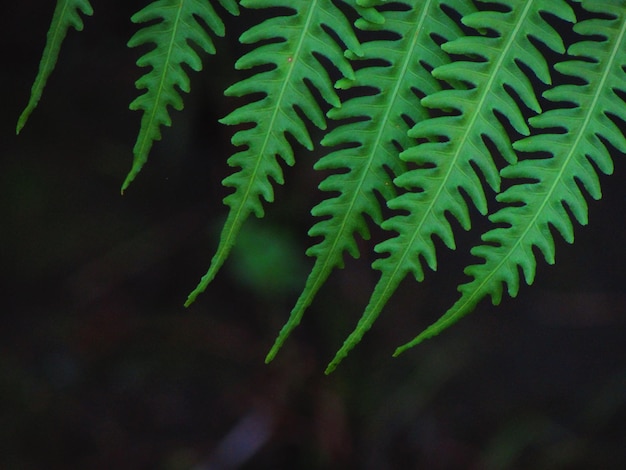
(66, 14)
(455, 150)
(555, 189)
(368, 147)
(296, 40)
(179, 24)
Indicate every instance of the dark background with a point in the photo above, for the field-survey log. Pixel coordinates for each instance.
(101, 367)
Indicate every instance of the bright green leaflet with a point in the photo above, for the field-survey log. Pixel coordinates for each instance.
(66, 14)
(179, 25)
(302, 35)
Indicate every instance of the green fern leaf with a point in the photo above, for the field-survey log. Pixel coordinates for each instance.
(179, 25)
(556, 181)
(447, 162)
(369, 146)
(66, 14)
(296, 40)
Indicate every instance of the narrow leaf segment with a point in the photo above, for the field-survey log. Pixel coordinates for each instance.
(291, 46)
(556, 182)
(179, 25)
(66, 14)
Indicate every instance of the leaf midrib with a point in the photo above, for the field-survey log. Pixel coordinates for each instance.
(147, 139)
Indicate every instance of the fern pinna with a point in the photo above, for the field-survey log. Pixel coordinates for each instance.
(178, 24)
(437, 118)
(66, 13)
(302, 34)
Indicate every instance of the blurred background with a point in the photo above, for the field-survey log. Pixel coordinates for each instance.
(102, 367)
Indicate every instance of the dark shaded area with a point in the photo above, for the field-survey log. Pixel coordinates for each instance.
(101, 367)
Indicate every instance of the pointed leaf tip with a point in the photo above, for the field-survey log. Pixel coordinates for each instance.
(20, 125)
(271, 355)
(414, 342)
(129, 179)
